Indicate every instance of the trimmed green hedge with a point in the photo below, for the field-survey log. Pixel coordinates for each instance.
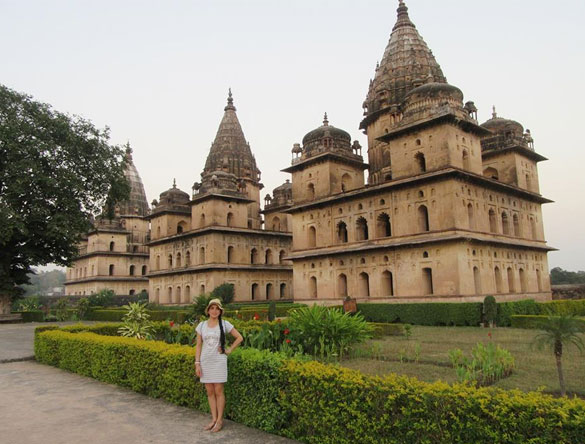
(155, 315)
(31, 316)
(384, 329)
(534, 321)
(318, 403)
(437, 313)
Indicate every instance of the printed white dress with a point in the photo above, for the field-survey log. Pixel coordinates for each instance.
(213, 363)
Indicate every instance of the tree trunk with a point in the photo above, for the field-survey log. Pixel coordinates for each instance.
(5, 304)
(558, 356)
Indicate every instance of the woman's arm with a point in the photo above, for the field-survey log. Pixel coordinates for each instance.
(238, 340)
(198, 356)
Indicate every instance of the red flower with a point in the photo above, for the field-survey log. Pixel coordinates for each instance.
(490, 334)
(288, 341)
(286, 331)
(172, 324)
(256, 317)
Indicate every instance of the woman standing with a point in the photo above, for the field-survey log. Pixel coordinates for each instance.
(211, 359)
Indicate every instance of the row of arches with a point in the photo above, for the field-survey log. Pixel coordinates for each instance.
(382, 229)
(269, 292)
(269, 258)
(510, 226)
(509, 285)
(131, 270)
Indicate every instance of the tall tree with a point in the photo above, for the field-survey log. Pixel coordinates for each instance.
(56, 172)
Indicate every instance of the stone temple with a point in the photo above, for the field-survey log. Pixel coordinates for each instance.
(451, 210)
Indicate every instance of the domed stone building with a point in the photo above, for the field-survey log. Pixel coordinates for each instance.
(451, 211)
(215, 236)
(114, 254)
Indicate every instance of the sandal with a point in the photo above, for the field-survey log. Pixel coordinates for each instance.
(218, 426)
(209, 426)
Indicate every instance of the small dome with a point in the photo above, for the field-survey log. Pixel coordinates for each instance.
(435, 89)
(500, 125)
(174, 195)
(284, 187)
(326, 136)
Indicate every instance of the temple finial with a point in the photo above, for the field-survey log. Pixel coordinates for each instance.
(128, 150)
(230, 98)
(174, 183)
(325, 121)
(403, 19)
(494, 115)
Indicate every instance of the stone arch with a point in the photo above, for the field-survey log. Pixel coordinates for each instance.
(275, 223)
(112, 246)
(178, 295)
(523, 281)
(505, 223)
(492, 173)
(187, 294)
(230, 254)
(364, 284)
(254, 256)
(269, 291)
(420, 162)
(533, 234)
(158, 262)
(493, 221)
(312, 237)
(255, 292)
(387, 283)
(310, 191)
(170, 261)
(423, 218)
(516, 224)
(202, 220)
(144, 269)
(202, 255)
(187, 258)
(470, 216)
(111, 270)
(281, 256)
(477, 280)
(498, 277)
(230, 219)
(383, 226)
(181, 227)
(346, 182)
(538, 280)
(427, 281)
(342, 285)
(313, 287)
(465, 160)
(179, 260)
(282, 290)
(511, 283)
(361, 227)
(268, 259)
(131, 270)
(342, 232)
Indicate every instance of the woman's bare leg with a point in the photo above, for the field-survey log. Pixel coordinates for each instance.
(220, 403)
(212, 405)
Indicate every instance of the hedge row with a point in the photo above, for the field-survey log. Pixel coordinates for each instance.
(424, 314)
(31, 316)
(534, 321)
(155, 315)
(384, 329)
(318, 403)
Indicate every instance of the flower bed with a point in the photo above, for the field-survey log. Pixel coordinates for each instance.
(318, 403)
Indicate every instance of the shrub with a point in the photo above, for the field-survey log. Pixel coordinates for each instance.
(103, 298)
(61, 312)
(535, 321)
(317, 403)
(326, 332)
(490, 310)
(384, 329)
(507, 309)
(31, 316)
(436, 313)
(83, 307)
(564, 306)
(488, 364)
(136, 321)
(31, 303)
(224, 292)
(271, 311)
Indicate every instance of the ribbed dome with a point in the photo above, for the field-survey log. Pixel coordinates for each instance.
(229, 151)
(174, 195)
(136, 205)
(326, 136)
(435, 90)
(406, 64)
(500, 125)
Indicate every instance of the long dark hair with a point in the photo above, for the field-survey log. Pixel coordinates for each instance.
(221, 335)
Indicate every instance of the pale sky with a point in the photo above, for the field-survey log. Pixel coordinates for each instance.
(157, 73)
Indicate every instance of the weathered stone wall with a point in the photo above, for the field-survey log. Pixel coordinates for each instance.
(571, 291)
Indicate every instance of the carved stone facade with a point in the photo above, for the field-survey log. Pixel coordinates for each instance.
(114, 254)
(216, 236)
(451, 211)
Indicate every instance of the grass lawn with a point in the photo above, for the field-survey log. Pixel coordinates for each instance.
(534, 370)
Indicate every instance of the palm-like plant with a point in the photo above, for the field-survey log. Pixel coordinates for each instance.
(136, 321)
(559, 330)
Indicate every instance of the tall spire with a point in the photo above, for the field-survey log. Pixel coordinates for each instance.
(136, 205)
(230, 151)
(407, 63)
